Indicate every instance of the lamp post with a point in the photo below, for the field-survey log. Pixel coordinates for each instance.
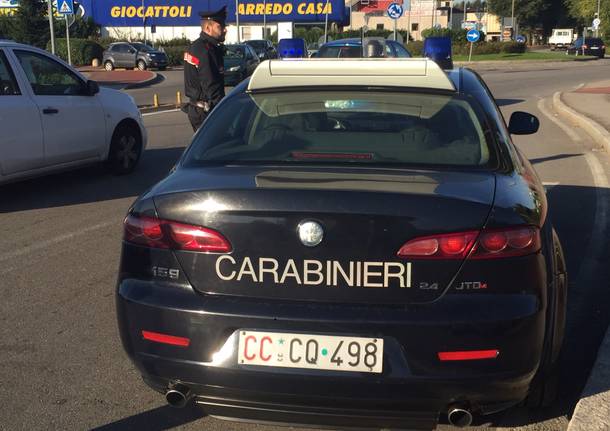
(326, 23)
(237, 20)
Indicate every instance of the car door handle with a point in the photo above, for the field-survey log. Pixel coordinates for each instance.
(49, 111)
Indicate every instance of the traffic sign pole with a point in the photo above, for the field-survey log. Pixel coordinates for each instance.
(470, 54)
(50, 13)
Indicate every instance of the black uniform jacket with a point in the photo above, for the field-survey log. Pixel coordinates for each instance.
(204, 70)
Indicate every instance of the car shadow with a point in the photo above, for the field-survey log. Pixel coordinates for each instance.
(506, 102)
(159, 419)
(553, 157)
(89, 184)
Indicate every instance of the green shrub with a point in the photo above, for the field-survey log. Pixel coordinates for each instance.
(416, 48)
(513, 47)
(182, 41)
(82, 51)
(175, 54)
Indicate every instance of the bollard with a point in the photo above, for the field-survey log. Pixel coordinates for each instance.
(155, 100)
(178, 99)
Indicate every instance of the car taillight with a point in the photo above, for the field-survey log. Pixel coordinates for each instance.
(156, 233)
(585, 47)
(489, 244)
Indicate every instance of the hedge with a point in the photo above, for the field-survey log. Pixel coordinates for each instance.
(175, 54)
(82, 51)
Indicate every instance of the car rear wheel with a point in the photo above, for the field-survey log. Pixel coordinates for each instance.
(108, 65)
(141, 64)
(125, 150)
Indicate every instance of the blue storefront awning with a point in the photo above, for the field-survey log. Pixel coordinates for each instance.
(133, 13)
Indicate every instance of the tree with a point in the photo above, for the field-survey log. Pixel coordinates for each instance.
(584, 11)
(528, 13)
(29, 23)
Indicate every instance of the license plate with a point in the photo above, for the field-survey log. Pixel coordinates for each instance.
(320, 352)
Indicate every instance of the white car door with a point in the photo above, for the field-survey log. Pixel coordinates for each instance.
(73, 121)
(21, 145)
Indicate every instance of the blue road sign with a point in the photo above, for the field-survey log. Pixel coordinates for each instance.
(395, 10)
(65, 7)
(473, 35)
(521, 39)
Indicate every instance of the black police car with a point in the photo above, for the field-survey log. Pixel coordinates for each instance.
(347, 243)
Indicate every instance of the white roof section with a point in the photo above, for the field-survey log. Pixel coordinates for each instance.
(386, 72)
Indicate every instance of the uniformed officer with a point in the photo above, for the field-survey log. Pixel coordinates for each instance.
(203, 67)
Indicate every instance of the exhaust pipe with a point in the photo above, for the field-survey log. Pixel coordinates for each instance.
(459, 416)
(178, 395)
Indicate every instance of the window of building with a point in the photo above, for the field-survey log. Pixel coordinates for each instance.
(415, 26)
(379, 26)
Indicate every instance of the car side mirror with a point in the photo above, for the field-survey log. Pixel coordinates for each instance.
(92, 88)
(523, 123)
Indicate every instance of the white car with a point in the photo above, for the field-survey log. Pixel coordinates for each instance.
(53, 118)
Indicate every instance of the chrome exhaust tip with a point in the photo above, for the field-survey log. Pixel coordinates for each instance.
(459, 417)
(178, 396)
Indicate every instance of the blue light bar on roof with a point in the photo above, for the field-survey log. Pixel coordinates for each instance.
(292, 48)
(439, 50)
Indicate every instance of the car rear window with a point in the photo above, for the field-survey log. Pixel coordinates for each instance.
(330, 127)
(338, 51)
(594, 42)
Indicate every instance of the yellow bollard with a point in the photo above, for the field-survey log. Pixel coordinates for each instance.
(178, 99)
(155, 100)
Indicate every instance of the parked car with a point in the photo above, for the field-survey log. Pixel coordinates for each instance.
(133, 54)
(588, 46)
(264, 48)
(53, 118)
(348, 244)
(561, 38)
(240, 60)
(352, 48)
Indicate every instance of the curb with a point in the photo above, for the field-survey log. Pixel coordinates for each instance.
(591, 412)
(599, 134)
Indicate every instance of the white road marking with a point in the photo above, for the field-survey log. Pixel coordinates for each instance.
(550, 183)
(49, 242)
(571, 133)
(160, 112)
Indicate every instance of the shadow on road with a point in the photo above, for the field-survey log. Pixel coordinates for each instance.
(554, 157)
(506, 102)
(159, 419)
(86, 185)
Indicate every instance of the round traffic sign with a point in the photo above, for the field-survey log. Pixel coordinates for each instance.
(521, 39)
(395, 10)
(596, 22)
(473, 35)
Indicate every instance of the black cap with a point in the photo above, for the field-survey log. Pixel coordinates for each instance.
(220, 15)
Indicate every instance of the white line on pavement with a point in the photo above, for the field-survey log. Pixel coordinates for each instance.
(571, 133)
(550, 183)
(160, 112)
(44, 244)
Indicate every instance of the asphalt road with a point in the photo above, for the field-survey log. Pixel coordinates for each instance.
(61, 362)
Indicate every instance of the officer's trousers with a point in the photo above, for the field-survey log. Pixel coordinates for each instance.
(196, 116)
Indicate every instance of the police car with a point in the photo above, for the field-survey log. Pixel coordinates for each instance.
(347, 243)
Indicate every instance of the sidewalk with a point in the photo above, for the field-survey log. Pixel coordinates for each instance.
(589, 108)
(121, 78)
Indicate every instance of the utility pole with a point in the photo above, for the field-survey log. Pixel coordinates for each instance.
(50, 13)
(512, 20)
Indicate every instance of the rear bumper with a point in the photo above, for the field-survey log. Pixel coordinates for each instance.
(414, 388)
